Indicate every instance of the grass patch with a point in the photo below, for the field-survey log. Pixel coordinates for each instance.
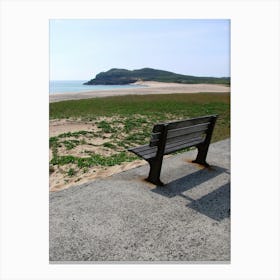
(75, 134)
(93, 160)
(70, 144)
(189, 105)
(109, 145)
(105, 127)
(71, 172)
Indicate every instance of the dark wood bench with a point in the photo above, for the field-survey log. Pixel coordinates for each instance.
(170, 137)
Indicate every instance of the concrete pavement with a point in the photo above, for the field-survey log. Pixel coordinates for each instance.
(124, 218)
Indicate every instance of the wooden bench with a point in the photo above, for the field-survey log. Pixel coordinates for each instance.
(170, 137)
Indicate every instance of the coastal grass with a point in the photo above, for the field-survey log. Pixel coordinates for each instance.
(148, 105)
(128, 121)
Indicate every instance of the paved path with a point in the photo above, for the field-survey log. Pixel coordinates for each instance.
(124, 218)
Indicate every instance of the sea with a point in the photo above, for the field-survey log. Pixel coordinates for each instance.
(77, 86)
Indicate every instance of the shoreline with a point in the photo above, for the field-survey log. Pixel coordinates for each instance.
(149, 87)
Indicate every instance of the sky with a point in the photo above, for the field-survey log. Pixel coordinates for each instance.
(82, 48)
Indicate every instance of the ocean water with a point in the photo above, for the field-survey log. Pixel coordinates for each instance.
(77, 86)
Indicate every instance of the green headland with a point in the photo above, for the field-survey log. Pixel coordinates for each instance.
(117, 76)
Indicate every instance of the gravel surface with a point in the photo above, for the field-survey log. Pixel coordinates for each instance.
(124, 218)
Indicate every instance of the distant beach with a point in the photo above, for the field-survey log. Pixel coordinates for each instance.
(78, 86)
(139, 88)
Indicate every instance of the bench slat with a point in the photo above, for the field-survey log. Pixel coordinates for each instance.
(185, 137)
(139, 148)
(183, 123)
(145, 151)
(189, 122)
(171, 149)
(148, 151)
(184, 141)
(187, 130)
(146, 154)
(149, 156)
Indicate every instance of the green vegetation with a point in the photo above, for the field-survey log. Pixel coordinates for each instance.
(148, 106)
(106, 127)
(93, 160)
(71, 172)
(123, 122)
(117, 76)
(57, 142)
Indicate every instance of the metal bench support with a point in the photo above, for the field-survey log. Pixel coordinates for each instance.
(203, 147)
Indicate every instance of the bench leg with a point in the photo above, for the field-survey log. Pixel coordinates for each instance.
(154, 174)
(203, 148)
(201, 156)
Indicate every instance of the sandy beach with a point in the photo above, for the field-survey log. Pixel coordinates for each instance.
(150, 88)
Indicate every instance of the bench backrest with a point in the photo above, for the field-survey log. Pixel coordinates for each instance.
(173, 136)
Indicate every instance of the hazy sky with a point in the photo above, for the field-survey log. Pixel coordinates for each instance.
(80, 49)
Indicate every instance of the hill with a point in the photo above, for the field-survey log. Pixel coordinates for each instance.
(117, 76)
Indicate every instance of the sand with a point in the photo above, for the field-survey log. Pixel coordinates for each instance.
(58, 179)
(150, 88)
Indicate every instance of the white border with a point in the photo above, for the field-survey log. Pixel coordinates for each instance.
(24, 137)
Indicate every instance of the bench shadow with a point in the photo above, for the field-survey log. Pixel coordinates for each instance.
(189, 181)
(215, 204)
